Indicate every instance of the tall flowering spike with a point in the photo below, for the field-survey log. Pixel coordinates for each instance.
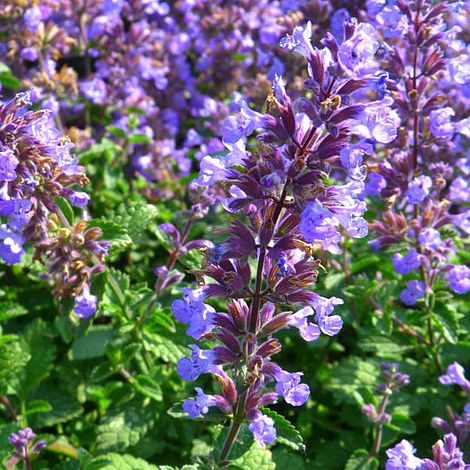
(36, 167)
(419, 171)
(283, 193)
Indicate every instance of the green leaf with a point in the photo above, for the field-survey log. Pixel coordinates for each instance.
(361, 460)
(243, 443)
(383, 346)
(286, 432)
(402, 423)
(93, 344)
(66, 209)
(447, 320)
(9, 81)
(135, 217)
(12, 361)
(124, 462)
(38, 406)
(117, 131)
(164, 347)
(65, 406)
(148, 387)
(9, 310)
(125, 429)
(257, 458)
(37, 341)
(285, 458)
(117, 235)
(139, 139)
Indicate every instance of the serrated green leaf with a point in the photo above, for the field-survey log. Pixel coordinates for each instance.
(164, 347)
(66, 209)
(12, 361)
(447, 319)
(402, 423)
(93, 344)
(286, 432)
(117, 131)
(384, 346)
(117, 235)
(135, 217)
(257, 458)
(124, 429)
(123, 462)
(139, 139)
(65, 407)
(361, 460)
(37, 342)
(9, 81)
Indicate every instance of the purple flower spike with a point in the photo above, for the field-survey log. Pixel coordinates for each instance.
(413, 291)
(263, 429)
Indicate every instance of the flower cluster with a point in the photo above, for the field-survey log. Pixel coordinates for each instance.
(159, 70)
(423, 178)
(446, 455)
(457, 424)
(446, 452)
(36, 168)
(292, 211)
(24, 448)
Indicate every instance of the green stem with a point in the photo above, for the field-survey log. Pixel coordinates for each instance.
(379, 427)
(234, 429)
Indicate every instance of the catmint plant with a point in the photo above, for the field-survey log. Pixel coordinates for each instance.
(420, 177)
(285, 210)
(36, 168)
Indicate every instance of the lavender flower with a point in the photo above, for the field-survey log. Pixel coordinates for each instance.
(414, 290)
(404, 264)
(200, 405)
(23, 444)
(446, 455)
(401, 457)
(455, 374)
(459, 279)
(418, 189)
(263, 429)
(85, 303)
